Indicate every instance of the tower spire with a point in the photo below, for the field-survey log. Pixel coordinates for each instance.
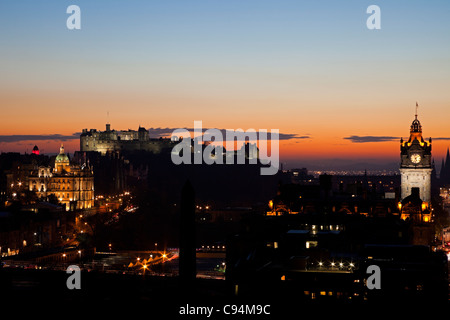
(416, 128)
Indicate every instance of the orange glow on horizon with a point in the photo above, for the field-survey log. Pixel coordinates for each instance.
(324, 121)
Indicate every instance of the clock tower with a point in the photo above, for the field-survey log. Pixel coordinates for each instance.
(416, 164)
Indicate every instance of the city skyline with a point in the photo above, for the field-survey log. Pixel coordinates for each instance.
(239, 157)
(315, 72)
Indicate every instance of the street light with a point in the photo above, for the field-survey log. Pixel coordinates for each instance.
(144, 267)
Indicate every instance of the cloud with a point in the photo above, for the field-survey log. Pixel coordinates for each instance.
(167, 132)
(154, 133)
(38, 137)
(441, 138)
(365, 139)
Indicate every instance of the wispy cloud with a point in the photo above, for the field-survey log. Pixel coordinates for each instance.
(38, 137)
(167, 132)
(441, 138)
(154, 133)
(365, 139)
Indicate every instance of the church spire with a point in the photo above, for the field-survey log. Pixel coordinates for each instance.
(447, 166)
(444, 175)
(441, 173)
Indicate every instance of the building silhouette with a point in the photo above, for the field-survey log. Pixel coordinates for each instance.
(121, 140)
(444, 174)
(315, 240)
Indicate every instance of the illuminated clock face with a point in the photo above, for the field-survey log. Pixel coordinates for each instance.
(415, 158)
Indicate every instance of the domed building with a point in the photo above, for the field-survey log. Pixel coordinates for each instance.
(35, 150)
(73, 185)
(62, 162)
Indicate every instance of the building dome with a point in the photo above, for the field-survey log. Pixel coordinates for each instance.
(35, 150)
(62, 157)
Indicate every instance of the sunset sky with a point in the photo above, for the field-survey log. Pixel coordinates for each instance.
(311, 69)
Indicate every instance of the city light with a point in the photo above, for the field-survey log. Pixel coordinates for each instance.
(358, 188)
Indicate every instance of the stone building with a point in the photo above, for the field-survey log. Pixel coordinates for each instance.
(121, 140)
(73, 185)
(416, 164)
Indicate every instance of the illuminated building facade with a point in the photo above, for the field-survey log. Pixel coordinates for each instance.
(416, 169)
(72, 185)
(416, 164)
(121, 140)
(412, 207)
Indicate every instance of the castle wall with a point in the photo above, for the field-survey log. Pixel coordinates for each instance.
(121, 141)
